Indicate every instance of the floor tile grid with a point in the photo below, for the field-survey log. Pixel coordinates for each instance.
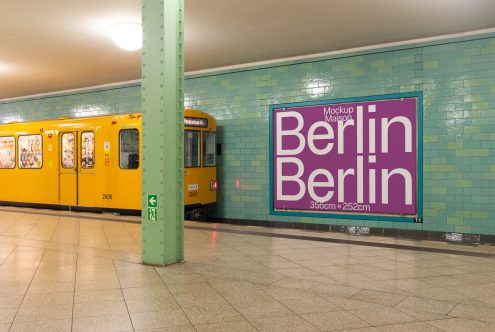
(342, 308)
(28, 232)
(134, 219)
(24, 295)
(105, 232)
(295, 313)
(7, 311)
(317, 295)
(74, 292)
(13, 227)
(47, 310)
(127, 308)
(33, 222)
(50, 244)
(405, 298)
(234, 306)
(441, 258)
(181, 305)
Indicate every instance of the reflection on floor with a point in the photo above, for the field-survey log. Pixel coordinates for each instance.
(61, 271)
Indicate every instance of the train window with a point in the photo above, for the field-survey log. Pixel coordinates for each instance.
(7, 152)
(68, 150)
(88, 149)
(30, 151)
(129, 149)
(191, 148)
(209, 149)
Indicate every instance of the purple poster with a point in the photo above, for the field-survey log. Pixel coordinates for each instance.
(357, 157)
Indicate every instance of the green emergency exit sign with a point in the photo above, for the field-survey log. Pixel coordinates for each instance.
(152, 207)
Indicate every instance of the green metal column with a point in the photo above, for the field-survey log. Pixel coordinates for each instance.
(163, 131)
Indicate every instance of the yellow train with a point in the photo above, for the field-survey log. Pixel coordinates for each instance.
(95, 163)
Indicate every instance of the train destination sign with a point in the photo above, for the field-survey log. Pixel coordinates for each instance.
(195, 122)
(355, 156)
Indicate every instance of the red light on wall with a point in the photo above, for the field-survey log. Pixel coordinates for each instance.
(213, 185)
(238, 183)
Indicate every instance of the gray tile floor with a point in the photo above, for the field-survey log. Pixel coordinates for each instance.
(65, 271)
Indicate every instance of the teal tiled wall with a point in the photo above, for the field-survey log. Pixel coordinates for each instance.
(456, 76)
(121, 99)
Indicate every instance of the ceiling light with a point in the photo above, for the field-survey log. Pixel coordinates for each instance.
(3, 68)
(128, 36)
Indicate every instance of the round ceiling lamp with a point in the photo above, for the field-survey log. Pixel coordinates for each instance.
(127, 36)
(3, 68)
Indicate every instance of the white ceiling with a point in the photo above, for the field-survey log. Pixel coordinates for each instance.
(51, 45)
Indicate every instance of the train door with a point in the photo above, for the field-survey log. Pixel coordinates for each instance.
(68, 172)
(192, 167)
(209, 170)
(87, 172)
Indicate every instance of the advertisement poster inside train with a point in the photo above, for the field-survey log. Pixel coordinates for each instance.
(88, 149)
(30, 151)
(68, 145)
(346, 158)
(7, 152)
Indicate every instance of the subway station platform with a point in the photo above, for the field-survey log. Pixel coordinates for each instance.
(64, 271)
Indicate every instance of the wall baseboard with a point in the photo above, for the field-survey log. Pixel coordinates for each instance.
(460, 238)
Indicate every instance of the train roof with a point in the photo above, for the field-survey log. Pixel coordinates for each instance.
(188, 112)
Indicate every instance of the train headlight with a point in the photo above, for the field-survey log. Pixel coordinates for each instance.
(213, 185)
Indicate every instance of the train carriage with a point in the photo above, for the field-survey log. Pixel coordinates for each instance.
(95, 163)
